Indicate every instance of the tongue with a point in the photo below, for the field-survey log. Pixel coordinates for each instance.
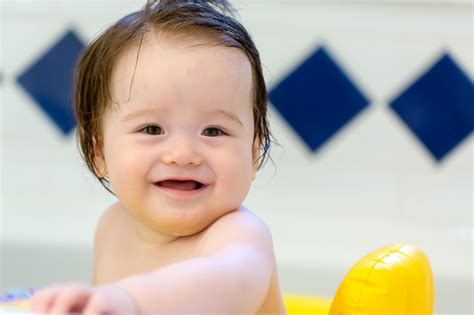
(179, 184)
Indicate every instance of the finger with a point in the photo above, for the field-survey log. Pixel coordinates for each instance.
(97, 305)
(71, 298)
(43, 298)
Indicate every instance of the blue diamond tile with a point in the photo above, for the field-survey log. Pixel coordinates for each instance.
(438, 107)
(317, 99)
(49, 81)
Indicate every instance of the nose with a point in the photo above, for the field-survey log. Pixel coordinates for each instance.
(181, 151)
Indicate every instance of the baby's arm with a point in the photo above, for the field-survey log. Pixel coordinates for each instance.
(232, 276)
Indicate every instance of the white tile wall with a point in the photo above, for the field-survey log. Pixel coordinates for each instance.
(372, 185)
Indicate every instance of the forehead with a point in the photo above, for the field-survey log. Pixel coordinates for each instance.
(181, 69)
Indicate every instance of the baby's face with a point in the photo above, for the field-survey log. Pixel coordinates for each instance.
(178, 149)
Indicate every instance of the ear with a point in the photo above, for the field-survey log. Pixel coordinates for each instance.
(255, 157)
(99, 160)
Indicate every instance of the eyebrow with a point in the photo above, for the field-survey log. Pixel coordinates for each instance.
(137, 113)
(142, 112)
(230, 115)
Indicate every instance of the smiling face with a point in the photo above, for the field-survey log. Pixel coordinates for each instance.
(178, 145)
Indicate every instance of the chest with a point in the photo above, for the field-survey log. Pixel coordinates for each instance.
(114, 262)
(120, 257)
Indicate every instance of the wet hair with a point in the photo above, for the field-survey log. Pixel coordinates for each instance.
(213, 20)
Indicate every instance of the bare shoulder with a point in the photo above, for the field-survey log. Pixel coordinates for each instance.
(239, 227)
(112, 218)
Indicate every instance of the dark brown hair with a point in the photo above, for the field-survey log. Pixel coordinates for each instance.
(199, 18)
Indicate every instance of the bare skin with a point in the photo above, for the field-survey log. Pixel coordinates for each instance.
(117, 255)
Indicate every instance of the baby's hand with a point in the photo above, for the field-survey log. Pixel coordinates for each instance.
(81, 298)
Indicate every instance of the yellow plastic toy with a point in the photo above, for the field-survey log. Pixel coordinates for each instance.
(395, 279)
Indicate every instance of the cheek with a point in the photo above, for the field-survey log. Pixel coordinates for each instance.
(236, 169)
(124, 165)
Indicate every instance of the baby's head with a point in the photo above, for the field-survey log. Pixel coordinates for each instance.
(171, 102)
(208, 21)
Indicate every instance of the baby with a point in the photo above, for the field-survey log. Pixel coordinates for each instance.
(172, 119)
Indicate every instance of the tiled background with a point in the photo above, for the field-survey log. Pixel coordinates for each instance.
(372, 103)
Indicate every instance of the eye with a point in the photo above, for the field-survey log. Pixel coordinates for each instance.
(152, 130)
(212, 132)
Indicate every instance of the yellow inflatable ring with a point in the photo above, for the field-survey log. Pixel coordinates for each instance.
(395, 279)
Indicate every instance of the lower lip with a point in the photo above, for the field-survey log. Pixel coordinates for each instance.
(183, 193)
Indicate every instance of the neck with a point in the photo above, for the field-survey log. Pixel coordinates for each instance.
(148, 236)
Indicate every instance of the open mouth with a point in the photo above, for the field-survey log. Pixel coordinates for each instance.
(180, 185)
